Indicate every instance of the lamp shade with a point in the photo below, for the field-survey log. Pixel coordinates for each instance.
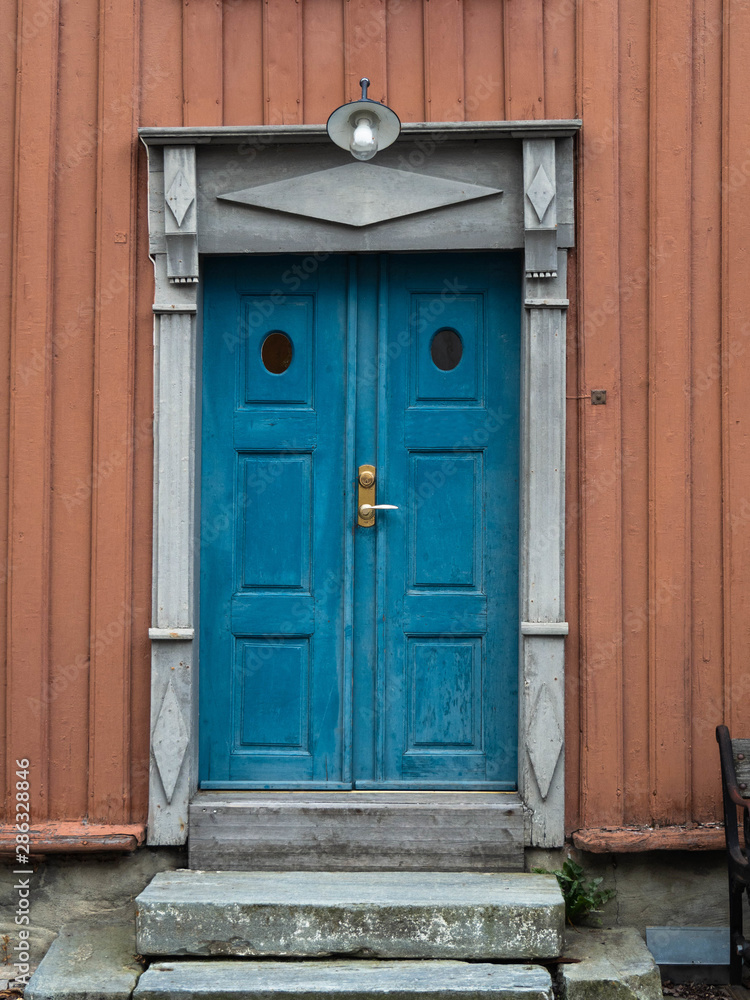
(384, 123)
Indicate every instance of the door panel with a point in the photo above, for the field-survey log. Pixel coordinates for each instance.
(332, 655)
(448, 454)
(272, 652)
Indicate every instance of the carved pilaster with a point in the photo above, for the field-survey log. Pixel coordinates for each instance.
(543, 628)
(173, 769)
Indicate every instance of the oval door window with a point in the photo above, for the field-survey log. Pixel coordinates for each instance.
(446, 349)
(276, 352)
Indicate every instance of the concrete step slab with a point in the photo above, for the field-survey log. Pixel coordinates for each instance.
(357, 831)
(360, 914)
(219, 979)
(608, 964)
(91, 959)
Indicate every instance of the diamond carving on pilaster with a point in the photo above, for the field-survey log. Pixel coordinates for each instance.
(169, 740)
(541, 192)
(544, 740)
(179, 197)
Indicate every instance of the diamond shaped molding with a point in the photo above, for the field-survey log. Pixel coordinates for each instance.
(169, 740)
(544, 739)
(359, 194)
(541, 192)
(179, 197)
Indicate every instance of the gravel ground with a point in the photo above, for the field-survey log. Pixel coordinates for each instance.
(700, 991)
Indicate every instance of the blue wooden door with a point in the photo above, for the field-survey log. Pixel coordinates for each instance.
(338, 656)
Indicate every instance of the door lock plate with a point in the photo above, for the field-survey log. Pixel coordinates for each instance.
(365, 494)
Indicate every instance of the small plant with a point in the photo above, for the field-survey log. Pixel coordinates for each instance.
(582, 895)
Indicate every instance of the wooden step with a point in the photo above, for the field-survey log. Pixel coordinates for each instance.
(356, 831)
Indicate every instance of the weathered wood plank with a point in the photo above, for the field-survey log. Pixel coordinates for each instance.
(112, 609)
(632, 839)
(602, 777)
(282, 57)
(59, 838)
(405, 58)
(29, 408)
(359, 831)
(706, 400)
(364, 48)
(524, 59)
(202, 72)
(484, 68)
(633, 239)
(72, 405)
(669, 409)
(243, 64)
(444, 60)
(323, 54)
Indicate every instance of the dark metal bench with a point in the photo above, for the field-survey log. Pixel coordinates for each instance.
(735, 782)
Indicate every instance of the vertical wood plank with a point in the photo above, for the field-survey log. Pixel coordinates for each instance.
(365, 48)
(161, 97)
(282, 62)
(112, 471)
(29, 458)
(524, 59)
(323, 53)
(706, 508)
(559, 58)
(484, 61)
(405, 58)
(669, 407)
(444, 60)
(600, 468)
(8, 28)
(143, 473)
(735, 223)
(202, 74)
(243, 63)
(72, 406)
(632, 127)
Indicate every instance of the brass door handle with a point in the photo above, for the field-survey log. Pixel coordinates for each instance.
(366, 506)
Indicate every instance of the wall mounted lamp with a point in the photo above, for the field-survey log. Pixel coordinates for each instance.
(364, 126)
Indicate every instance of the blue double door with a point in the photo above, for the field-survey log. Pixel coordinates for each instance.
(340, 654)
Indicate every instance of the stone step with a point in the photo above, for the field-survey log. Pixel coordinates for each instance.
(359, 914)
(357, 831)
(353, 980)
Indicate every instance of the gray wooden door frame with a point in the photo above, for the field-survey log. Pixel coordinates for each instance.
(279, 189)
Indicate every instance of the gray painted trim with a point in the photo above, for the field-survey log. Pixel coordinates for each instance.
(171, 633)
(174, 755)
(232, 135)
(544, 628)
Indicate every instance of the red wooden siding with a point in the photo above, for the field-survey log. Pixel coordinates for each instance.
(658, 544)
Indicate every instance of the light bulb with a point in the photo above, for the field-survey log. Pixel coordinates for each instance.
(364, 144)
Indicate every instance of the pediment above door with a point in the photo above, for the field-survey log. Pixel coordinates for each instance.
(360, 194)
(451, 186)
